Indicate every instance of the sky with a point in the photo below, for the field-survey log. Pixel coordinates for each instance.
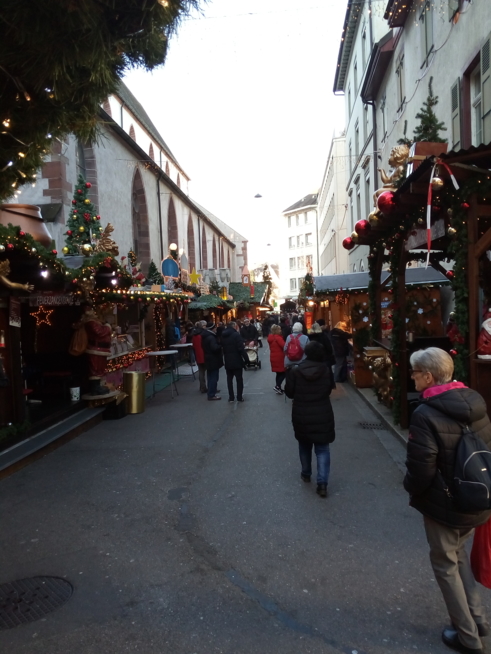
(245, 104)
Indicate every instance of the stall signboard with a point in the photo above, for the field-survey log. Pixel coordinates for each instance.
(14, 312)
(53, 299)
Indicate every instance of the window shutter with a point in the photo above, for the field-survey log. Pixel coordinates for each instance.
(455, 103)
(486, 90)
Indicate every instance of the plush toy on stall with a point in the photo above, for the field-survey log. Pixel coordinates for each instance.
(98, 348)
(484, 338)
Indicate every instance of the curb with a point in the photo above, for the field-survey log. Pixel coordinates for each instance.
(377, 409)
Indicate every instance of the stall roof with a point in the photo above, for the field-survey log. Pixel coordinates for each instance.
(241, 293)
(360, 280)
(209, 302)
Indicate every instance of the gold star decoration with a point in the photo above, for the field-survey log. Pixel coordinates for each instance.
(194, 277)
(42, 316)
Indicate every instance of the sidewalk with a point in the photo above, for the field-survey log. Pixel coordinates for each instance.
(382, 412)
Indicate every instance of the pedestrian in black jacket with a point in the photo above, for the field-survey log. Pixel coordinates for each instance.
(248, 332)
(309, 385)
(286, 330)
(341, 347)
(434, 433)
(315, 333)
(236, 358)
(213, 359)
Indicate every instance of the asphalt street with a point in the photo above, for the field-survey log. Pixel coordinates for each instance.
(187, 530)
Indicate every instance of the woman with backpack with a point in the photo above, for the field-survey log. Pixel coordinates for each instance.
(276, 357)
(295, 346)
(445, 410)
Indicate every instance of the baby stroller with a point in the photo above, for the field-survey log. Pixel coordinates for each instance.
(252, 351)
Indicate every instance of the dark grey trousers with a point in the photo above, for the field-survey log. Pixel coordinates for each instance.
(453, 573)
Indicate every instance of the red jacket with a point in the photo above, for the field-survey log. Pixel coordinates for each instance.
(197, 346)
(276, 354)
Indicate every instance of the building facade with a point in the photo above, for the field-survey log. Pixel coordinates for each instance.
(333, 212)
(300, 224)
(139, 187)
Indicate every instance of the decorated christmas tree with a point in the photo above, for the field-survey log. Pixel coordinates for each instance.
(84, 225)
(429, 126)
(153, 274)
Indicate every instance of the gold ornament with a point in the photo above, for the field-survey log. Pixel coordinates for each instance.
(81, 228)
(86, 201)
(65, 250)
(420, 221)
(105, 242)
(87, 247)
(2, 248)
(354, 237)
(451, 231)
(437, 183)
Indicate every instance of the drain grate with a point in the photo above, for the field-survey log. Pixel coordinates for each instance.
(372, 425)
(28, 600)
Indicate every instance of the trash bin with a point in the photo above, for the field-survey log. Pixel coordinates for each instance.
(134, 387)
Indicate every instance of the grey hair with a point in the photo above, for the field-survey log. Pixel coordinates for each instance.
(436, 361)
(232, 323)
(203, 323)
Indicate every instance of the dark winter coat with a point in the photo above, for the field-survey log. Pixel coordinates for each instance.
(286, 330)
(233, 349)
(197, 345)
(309, 385)
(276, 354)
(433, 437)
(212, 350)
(249, 333)
(339, 340)
(323, 339)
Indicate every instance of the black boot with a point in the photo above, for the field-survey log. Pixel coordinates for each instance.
(96, 388)
(321, 490)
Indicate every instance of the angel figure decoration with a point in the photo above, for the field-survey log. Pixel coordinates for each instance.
(5, 272)
(397, 158)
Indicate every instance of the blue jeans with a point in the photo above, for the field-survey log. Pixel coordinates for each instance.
(323, 460)
(340, 369)
(212, 381)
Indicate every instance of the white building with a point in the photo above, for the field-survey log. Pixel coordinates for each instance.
(363, 28)
(333, 212)
(300, 226)
(139, 187)
(448, 42)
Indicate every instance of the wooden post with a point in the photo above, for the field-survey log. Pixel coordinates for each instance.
(378, 297)
(403, 363)
(473, 285)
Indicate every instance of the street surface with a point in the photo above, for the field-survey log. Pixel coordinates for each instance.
(187, 530)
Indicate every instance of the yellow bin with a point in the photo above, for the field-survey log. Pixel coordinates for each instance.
(134, 387)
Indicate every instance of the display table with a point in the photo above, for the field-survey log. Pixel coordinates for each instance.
(163, 353)
(186, 347)
(133, 361)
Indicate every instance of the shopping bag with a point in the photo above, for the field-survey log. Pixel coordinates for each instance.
(79, 342)
(481, 554)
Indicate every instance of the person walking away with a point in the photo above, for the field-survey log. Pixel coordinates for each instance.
(309, 385)
(436, 427)
(199, 355)
(213, 359)
(302, 342)
(276, 357)
(285, 328)
(267, 322)
(236, 358)
(259, 327)
(248, 332)
(340, 345)
(315, 333)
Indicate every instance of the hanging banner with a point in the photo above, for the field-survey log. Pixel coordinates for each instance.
(14, 312)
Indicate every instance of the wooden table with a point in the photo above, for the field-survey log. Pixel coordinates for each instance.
(163, 353)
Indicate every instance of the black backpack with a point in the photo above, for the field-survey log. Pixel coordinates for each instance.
(472, 473)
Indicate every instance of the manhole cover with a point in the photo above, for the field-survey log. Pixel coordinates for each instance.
(28, 600)
(372, 425)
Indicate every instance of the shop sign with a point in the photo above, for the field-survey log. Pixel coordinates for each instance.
(14, 312)
(54, 300)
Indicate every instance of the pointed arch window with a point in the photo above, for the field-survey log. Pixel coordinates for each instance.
(150, 152)
(191, 244)
(132, 133)
(172, 233)
(214, 254)
(222, 258)
(167, 169)
(228, 261)
(107, 107)
(178, 180)
(204, 249)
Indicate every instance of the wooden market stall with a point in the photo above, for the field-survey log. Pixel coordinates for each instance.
(441, 213)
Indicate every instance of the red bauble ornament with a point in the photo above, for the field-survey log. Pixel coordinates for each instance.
(87, 220)
(54, 251)
(74, 202)
(86, 215)
(397, 235)
(453, 353)
(75, 211)
(348, 243)
(98, 217)
(10, 246)
(88, 185)
(465, 205)
(363, 227)
(79, 191)
(386, 202)
(21, 234)
(69, 232)
(450, 274)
